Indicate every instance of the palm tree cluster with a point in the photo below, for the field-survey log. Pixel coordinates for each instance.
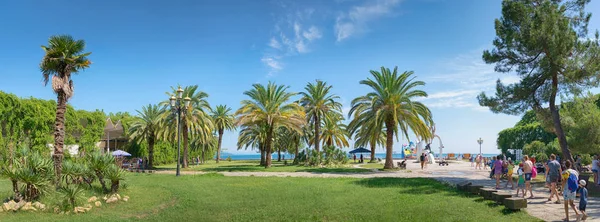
(202, 127)
(269, 120)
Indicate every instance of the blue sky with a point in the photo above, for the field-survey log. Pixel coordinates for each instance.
(141, 48)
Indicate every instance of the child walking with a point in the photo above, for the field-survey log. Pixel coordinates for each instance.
(583, 199)
(510, 166)
(521, 181)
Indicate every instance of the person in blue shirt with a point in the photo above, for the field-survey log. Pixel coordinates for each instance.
(583, 198)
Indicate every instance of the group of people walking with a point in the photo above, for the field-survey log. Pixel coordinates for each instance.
(558, 176)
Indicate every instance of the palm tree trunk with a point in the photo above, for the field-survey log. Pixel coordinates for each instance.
(317, 126)
(151, 152)
(389, 145)
(59, 134)
(373, 151)
(101, 180)
(560, 134)
(16, 190)
(219, 145)
(296, 153)
(185, 144)
(279, 154)
(262, 155)
(269, 145)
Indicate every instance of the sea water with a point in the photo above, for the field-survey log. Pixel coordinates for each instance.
(288, 156)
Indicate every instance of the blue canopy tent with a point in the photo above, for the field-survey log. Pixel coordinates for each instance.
(360, 150)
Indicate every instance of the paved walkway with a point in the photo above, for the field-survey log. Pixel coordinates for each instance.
(453, 174)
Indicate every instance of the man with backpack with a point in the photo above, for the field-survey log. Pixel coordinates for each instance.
(570, 184)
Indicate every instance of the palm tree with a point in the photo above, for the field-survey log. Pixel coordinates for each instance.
(392, 105)
(334, 131)
(204, 145)
(223, 120)
(146, 127)
(317, 102)
(254, 136)
(367, 135)
(63, 56)
(195, 120)
(269, 106)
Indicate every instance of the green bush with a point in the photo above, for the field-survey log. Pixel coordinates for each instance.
(586, 159)
(541, 157)
(228, 158)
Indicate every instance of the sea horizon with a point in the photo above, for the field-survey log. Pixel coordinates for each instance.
(287, 156)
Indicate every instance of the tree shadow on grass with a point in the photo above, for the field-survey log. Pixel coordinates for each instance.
(235, 168)
(414, 186)
(335, 170)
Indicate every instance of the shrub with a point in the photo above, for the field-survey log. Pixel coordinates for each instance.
(115, 174)
(541, 157)
(228, 158)
(586, 159)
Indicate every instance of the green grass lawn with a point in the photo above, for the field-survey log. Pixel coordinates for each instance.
(213, 197)
(253, 166)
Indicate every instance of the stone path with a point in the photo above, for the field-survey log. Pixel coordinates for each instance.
(453, 174)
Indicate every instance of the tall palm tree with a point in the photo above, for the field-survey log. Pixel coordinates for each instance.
(146, 127)
(391, 104)
(63, 56)
(195, 120)
(268, 106)
(317, 102)
(223, 120)
(334, 131)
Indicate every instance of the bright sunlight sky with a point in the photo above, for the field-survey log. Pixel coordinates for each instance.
(142, 47)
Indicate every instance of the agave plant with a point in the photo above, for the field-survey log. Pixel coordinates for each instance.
(72, 194)
(74, 173)
(35, 172)
(115, 175)
(11, 172)
(99, 163)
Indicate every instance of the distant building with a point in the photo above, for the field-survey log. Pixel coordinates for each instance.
(113, 138)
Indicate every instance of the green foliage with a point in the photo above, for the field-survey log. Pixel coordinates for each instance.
(71, 195)
(527, 130)
(115, 175)
(581, 118)
(541, 157)
(335, 156)
(30, 122)
(319, 104)
(267, 109)
(586, 159)
(534, 148)
(392, 104)
(228, 159)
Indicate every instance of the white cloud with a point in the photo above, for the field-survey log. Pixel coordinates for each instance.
(290, 38)
(468, 76)
(273, 63)
(275, 44)
(355, 20)
(312, 33)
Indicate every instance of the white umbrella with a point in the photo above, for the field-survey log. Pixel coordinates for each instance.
(120, 153)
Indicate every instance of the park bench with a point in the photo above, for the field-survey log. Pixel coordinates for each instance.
(499, 197)
(474, 189)
(515, 203)
(463, 186)
(486, 193)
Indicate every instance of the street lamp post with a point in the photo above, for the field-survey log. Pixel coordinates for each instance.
(480, 141)
(179, 106)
